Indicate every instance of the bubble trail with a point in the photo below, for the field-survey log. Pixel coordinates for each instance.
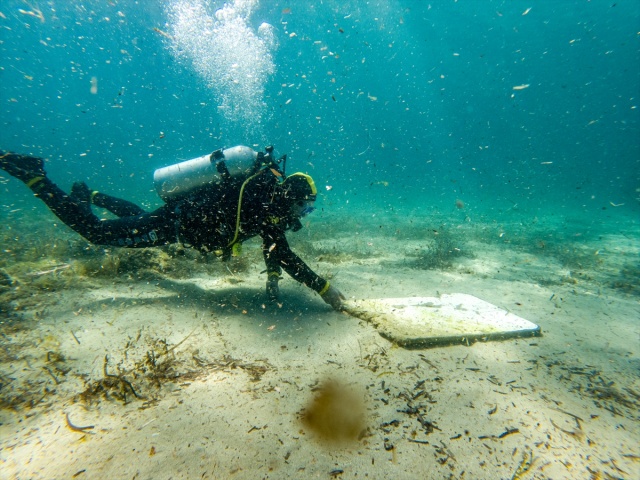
(234, 59)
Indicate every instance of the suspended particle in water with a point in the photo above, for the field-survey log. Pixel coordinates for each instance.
(94, 85)
(459, 204)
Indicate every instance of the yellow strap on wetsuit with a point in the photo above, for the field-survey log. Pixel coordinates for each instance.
(325, 289)
(34, 181)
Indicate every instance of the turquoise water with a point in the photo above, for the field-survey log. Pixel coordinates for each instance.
(390, 104)
(484, 147)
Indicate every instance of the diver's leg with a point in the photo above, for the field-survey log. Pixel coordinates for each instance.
(82, 195)
(146, 230)
(30, 170)
(117, 206)
(23, 167)
(72, 212)
(155, 228)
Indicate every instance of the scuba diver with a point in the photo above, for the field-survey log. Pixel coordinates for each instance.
(212, 203)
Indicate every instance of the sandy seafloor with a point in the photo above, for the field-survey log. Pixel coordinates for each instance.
(222, 376)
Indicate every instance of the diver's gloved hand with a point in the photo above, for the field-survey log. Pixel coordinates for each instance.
(333, 297)
(273, 291)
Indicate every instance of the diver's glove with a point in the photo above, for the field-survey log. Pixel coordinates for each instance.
(273, 291)
(332, 296)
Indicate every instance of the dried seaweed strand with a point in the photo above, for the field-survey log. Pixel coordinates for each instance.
(179, 343)
(76, 428)
(55, 379)
(524, 467)
(119, 377)
(578, 433)
(508, 431)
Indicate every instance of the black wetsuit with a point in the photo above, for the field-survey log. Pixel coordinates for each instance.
(205, 220)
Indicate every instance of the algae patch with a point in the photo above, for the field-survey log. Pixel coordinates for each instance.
(336, 414)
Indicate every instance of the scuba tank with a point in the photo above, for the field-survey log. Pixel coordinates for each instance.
(176, 181)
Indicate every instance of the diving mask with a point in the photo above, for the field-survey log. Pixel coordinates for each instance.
(302, 208)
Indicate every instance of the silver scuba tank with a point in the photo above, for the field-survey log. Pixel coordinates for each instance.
(183, 178)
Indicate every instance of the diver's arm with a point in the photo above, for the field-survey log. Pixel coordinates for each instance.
(273, 273)
(278, 255)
